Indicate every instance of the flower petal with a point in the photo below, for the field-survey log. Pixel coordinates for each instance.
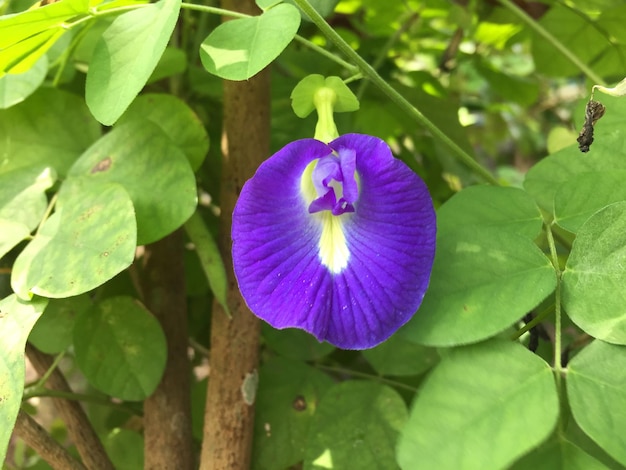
(376, 286)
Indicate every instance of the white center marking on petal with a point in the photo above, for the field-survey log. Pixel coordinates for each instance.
(333, 250)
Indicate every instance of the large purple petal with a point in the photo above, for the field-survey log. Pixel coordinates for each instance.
(390, 238)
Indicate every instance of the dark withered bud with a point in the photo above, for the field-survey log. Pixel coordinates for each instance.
(594, 111)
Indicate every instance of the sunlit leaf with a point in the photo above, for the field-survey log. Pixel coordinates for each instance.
(16, 320)
(241, 48)
(578, 198)
(175, 119)
(509, 209)
(594, 275)
(483, 281)
(468, 413)
(155, 173)
(126, 56)
(82, 245)
(596, 394)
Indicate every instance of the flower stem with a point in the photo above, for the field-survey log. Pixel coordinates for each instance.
(369, 72)
(558, 364)
(364, 375)
(573, 58)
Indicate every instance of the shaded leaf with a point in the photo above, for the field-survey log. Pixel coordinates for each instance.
(295, 344)
(398, 356)
(372, 416)
(53, 331)
(51, 128)
(210, 258)
(120, 348)
(576, 31)
(558, 455)
(288, 398)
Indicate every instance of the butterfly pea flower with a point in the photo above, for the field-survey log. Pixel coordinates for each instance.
(336, 238)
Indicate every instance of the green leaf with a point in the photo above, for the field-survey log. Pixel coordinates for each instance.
(324, 7)
(559, 454)
(19, 27)
(52, 333)
(593, 296)
(82, 245)
(581, 196)
(126, 56)
(22, 203)
(482, 407)
(596, 393)
(241, 48)
(288, 397)
(120, 348)
(51, 128)
(28, 35)
(608, 152)
(574, 30)
(303, 95)
(22, 194)
(15, 88)
(210, 258)
(16, 320)
(172, 62)
(176, 120)
(156, 174)
(125, 447)
(295, 344)
(356, 426)
(509, 209)
(398, 356)
(483, 281)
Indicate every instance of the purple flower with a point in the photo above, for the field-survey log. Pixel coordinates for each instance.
(337, 239)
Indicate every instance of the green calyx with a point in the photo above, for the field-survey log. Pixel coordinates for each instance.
(326, 95)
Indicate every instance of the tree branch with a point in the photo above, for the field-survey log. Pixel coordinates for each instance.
(78, 426)
(167, 412)
(229, 415)
(40, 441)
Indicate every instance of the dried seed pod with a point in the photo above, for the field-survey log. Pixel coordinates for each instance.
(594, 111)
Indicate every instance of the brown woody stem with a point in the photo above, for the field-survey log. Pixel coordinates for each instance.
(229, 415)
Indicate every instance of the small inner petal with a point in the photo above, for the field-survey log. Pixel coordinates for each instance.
(335, 181)
(333, 249)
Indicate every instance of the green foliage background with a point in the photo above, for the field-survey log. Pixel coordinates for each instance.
(486, 92)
